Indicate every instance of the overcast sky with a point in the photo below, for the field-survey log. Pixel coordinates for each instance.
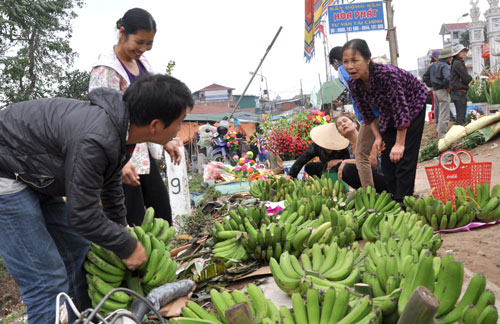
(221, 41)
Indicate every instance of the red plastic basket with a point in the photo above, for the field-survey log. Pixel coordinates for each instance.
(454, 170)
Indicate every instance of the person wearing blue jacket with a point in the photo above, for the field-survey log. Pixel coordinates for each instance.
(365, 137)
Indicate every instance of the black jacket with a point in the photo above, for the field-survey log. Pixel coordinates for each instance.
(313, 151)
(65, 147)
(459, 77)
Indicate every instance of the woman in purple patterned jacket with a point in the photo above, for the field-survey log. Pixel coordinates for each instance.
(400, 98)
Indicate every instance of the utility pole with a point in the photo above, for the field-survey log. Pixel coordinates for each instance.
(393, 45)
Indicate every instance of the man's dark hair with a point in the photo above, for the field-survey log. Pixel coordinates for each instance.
(335, 54)
(136, 19)
(157, 96)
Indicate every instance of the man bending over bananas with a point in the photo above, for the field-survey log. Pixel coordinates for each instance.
(51, 148)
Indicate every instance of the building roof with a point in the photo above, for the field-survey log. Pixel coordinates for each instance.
(242, 116)
(215, 86)
(447, 28)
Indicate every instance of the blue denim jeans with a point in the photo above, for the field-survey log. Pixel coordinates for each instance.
(42, 252)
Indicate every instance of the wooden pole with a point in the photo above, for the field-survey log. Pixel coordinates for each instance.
(255, 72)
(393, 45)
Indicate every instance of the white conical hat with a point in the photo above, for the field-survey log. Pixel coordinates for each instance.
(328, 137)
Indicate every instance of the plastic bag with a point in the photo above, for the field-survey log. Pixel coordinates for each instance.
(217, 171)
(207, 132)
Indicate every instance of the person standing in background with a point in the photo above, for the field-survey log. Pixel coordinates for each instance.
(427, 80)
(459, 82)
(117, 68)
(365, 137)
(400, 98)
(440, 80)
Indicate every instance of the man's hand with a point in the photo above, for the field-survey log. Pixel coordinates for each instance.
(397, 152)
(130, 176)
(333, 163)
(137, 257)
(173, 151)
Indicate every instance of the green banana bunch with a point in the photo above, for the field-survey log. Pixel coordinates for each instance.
(472, 294)
(105, 271)
(329, 262)
(442, 215)
(263, 309)
(159, 267)
(334, 307)
(230, 249)
(158, 227)
(98, 288)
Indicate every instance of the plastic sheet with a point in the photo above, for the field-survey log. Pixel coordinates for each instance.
(467, 227)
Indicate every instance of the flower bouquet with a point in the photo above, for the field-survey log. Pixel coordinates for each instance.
(289, 137)
(247, 169)
(232, 141)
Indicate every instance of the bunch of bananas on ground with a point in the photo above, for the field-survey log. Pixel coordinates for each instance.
(105, 271)
(263, 309)
(441, 215)
(334, 307)
(402, 226)
(385, 264)
(279, 189)
(237, 217)
(327, 265)
(371, 200)
(445, 280)
(230, 249)
(487, 203)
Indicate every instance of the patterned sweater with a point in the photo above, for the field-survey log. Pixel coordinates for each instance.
(398, 95)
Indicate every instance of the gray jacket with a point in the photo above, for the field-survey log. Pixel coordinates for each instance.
(65, 147)
(440, 74)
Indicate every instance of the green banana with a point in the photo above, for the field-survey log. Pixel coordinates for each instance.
(312, 306)
(103, 265)
(489, 315)
(201, 313)
(147, 221)
(471, 295)
(299, 309)
(259, 300)
(449, 286)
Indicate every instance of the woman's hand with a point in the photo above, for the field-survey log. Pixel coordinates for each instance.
(342, 165)
(397, 152)
(333, 163)
(341, 169)
(379, 144)
(130, 176)
(173, 151)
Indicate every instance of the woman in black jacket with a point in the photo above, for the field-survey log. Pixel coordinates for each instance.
(459, 82)
(328, 145)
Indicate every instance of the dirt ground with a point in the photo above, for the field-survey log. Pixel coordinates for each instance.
(478, 249)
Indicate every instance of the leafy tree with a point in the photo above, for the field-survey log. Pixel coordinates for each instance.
(74, 85)
(34, 47)
(170, 67)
